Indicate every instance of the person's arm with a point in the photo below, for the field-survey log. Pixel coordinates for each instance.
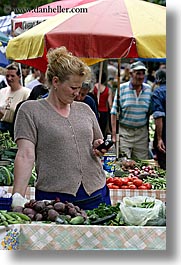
(110, 99)
(1, 112)
(23, 165)
(158, 109)
(94, 108)
(159, 128)
(113, 113)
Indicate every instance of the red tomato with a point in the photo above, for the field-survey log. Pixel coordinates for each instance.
(112, 186)
(115, 187)
(130, 178)
(118, 182)
(134, 178)
(109, 185)
(132, 186)
(109, 180)
(142, 187)
(125, 180)
(137, 182)
(124, 187)
(148, 185)
(129, 183)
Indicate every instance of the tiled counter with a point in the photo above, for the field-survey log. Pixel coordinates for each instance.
(40, 236)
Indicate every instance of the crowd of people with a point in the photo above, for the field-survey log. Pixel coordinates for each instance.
(74, 114)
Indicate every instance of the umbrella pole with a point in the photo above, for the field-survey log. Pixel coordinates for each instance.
(99, 83)
(20, 68)
(118, 110)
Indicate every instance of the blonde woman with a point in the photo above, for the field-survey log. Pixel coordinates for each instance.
(61, 135)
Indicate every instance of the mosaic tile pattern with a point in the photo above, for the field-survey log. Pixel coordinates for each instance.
(9, 237)
(66, 237)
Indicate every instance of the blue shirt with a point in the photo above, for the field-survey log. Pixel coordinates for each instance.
(134, 110)
(158, 103)
(91, 102)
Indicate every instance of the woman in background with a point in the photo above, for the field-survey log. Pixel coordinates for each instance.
(104, 95)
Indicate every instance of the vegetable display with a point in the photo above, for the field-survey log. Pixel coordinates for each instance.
(68, 213)
(129, 174)
(138, 175)
(143, 210)
(53, 211)
(6, 144)
(156, 183)
(106, 215)
(7, 175)
(9, 218)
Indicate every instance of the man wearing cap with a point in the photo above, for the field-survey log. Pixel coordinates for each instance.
(134, 109)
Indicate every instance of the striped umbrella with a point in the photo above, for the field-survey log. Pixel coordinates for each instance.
(96, 30)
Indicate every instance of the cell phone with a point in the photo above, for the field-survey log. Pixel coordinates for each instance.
(105, 145)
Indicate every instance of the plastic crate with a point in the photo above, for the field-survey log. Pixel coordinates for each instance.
(5, 203)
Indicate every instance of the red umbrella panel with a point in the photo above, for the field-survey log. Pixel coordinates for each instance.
(92, 35)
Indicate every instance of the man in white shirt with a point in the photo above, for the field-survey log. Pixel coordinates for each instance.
(10, 96)
(40, 80)
(32, 76)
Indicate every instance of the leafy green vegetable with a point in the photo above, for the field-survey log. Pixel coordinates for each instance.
(104, 210)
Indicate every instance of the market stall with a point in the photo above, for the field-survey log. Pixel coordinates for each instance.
(44, 235)
(55, 235)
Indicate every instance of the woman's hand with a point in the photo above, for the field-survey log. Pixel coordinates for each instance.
(95, 145)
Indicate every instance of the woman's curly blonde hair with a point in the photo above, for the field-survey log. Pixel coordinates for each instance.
(62, 63)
